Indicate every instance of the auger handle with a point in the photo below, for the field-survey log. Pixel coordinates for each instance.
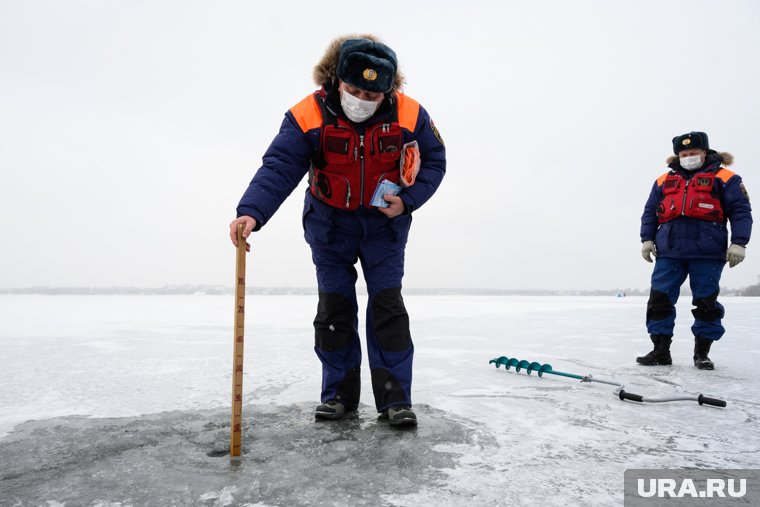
(710, 401)
(630, 396)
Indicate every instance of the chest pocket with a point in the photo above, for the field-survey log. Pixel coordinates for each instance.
(386, 143)
(671, 184)
(338, 145)
(701, 203)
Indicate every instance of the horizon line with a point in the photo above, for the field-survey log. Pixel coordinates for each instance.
(201, 289)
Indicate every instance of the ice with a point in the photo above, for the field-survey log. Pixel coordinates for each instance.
(124, 400)
(288, 460)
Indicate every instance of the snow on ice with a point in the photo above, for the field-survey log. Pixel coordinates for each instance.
(124, 400)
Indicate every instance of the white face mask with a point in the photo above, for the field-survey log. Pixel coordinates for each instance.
(691, 163)
(357, 109)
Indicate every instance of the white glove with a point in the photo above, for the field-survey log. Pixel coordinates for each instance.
(647, 247)
(735, 255)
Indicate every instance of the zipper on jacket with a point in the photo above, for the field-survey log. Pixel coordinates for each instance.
(685, 194)
(361, 156)
(348, 192)
(384, 128)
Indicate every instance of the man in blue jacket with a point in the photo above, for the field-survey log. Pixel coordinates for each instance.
(352, 137)
(684, 226)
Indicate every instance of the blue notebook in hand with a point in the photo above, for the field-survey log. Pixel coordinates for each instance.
(383, 188)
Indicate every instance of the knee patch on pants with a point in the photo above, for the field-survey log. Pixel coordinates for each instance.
(707, 308)
(659, 305)
(391, 321)
(334, 323)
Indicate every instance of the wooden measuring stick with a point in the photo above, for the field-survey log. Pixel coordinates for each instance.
(236, 423)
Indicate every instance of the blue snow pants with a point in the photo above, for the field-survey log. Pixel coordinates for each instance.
(338, 239)
(704, 280)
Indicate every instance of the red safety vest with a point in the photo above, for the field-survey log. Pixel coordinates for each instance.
(693, 197)
(348, 166)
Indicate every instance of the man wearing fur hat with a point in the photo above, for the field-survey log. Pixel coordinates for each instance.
(354, 137)
(684, 226)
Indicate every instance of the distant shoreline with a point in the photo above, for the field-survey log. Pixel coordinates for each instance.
(211, 290)
(222, 290)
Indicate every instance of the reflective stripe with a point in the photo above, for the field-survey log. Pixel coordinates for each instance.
(309, 117)
(408, 111)
(307, 114)
(725, 174)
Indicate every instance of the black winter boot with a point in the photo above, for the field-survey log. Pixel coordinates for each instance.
(701, 349)
(403, 415)
(333, 410)
(661, 353)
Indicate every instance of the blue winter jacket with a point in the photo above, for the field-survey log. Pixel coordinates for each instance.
(288, 159)
(692, 238)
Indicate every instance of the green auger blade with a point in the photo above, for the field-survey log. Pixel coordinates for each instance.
(534, 367)
(531, 367)
(547, 368)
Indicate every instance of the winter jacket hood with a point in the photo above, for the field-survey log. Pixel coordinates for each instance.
(325, 72)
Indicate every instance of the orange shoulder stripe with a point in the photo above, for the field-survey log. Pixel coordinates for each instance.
(725, 174)
(661, 179)
(307, 114)
(408, 111)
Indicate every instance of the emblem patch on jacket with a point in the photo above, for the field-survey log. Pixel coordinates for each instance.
(436, 133)
(744, 190)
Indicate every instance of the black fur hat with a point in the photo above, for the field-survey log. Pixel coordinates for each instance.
(690, 141)
(367, 64)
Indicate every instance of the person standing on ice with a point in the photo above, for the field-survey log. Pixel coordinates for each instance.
(684, 226)
(350, 136)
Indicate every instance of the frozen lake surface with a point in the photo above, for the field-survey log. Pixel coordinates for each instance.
(124, 400)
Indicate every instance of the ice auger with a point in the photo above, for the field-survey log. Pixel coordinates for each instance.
(620, 392)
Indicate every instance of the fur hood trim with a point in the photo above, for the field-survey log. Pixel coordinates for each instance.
(325, 72)
(726, 158)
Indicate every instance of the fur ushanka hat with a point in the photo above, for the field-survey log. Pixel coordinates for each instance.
(349, 57)
(690, 141)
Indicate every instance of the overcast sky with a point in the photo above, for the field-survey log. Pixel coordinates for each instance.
(130, 129)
